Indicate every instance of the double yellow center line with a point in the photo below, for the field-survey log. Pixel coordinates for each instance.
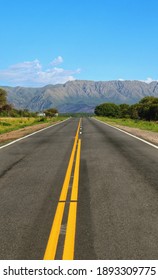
(69, 243)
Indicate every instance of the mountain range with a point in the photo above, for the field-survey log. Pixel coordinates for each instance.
(79, 96)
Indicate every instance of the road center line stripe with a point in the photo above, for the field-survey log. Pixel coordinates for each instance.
(55, 230)
(54, 234)
(69, 170)
(69, 245)
(68, 253)
(74, 194)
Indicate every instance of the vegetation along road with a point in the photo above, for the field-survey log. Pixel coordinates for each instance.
(79, 190)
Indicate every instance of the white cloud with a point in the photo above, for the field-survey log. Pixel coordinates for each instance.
(58, 60)
(31, 73)
(149, 80)
(121, 80)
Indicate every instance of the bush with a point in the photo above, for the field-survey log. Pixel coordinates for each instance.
(51, 112)
(107, 110)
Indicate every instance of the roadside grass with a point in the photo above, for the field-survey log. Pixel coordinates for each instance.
(8, 124)
(144, 125)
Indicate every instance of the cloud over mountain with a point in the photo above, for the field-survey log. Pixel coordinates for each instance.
(32, 73)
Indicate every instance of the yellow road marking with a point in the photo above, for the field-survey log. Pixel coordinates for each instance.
(74, 194)
(54, 234)
(55, 230)
(64, 191)
(68, 253)
(69, 245)
(69, 170)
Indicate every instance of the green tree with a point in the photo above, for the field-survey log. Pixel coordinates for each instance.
(51, 112)
(149, 100)
(134, 111)
(124, 110)
(99, 110)
(107, 110)
(148, 108)
(3, 97)
(7, 109)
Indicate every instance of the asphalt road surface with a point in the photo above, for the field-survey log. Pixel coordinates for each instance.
(116, 204)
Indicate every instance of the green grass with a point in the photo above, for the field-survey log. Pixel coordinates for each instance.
(144, 125)
(8, 124)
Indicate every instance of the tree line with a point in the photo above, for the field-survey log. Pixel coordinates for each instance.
(146, 109)
(7, 110)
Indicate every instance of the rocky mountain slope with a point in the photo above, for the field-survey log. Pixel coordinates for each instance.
(79, 96)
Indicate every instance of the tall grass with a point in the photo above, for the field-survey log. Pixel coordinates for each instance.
(144, 125)
(9, 124)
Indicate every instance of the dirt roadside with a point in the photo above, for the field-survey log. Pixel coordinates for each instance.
(144, 134)
(13, 135)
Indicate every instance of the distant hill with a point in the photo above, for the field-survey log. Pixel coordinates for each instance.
(79, 96)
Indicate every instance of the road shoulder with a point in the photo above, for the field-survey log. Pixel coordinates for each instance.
(147, 135)
(16, 134)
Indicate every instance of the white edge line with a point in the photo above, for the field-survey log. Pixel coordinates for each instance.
(152, 145)
(19, 139)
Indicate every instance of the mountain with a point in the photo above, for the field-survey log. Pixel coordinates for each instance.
(79, 96)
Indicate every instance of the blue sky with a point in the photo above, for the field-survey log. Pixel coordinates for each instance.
(53, 41)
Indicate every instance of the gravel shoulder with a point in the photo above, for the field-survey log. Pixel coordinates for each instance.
(144, 134)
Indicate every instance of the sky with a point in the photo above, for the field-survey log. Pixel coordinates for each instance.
(54, 41)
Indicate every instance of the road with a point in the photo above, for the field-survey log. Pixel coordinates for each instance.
(113, 211)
